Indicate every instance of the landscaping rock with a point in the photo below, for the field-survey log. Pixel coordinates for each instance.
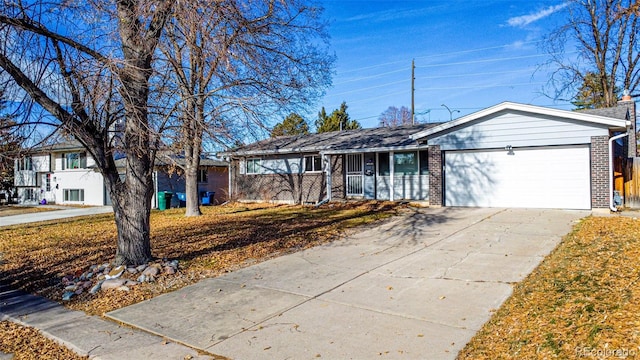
(116, 272)
(68, 295)
(112, 283)
(151, 271)
(96, 287)
(169, 270)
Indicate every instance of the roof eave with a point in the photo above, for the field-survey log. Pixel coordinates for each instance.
(596, 119)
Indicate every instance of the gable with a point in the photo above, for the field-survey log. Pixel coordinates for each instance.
(517, 129)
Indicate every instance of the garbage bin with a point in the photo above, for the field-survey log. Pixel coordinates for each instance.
(182, 197)
(206, 197)
(164, 200)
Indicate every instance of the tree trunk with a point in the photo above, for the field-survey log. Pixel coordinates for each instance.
(191, 188)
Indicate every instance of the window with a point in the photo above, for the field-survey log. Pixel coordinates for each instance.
(25, 163)
(405, 163)
(203, 175)
(73, 194)
(253, 166)
(424, 162)
(47, 182)
(312, 163)
(74, 161)
(383, 164)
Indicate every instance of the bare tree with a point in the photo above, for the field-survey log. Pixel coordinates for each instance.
(606, 38)
(87, 64)
(232, 66)
(395, 117)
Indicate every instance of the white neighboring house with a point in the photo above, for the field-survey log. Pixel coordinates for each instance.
(60, 174)
(65, 174)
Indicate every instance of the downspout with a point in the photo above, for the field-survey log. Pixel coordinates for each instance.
(611, 140)
(229, 183)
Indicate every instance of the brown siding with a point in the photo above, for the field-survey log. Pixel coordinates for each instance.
(289, 188)
(337, 177)
(599, 172)
(435, 175)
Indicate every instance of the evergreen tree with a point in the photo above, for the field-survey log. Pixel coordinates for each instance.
(338, 120)
(293, 124)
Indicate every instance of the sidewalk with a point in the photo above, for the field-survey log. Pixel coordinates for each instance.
(87, 335)
(62, 213)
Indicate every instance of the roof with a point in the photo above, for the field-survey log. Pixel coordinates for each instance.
(165, 161)
(612, 122)
(61, 146)
(621, 111)
(361, 140)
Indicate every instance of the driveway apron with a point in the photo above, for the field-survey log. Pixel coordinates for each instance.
(417, 287)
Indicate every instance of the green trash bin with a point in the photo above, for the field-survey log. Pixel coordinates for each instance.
(164, 200)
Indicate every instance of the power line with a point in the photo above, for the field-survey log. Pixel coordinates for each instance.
(479, 86)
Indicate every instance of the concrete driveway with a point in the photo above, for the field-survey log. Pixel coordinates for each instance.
(418, 287)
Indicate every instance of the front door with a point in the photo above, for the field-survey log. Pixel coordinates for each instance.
(370, 176)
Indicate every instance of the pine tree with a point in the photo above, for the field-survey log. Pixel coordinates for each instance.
(338, 120)
(293, 124)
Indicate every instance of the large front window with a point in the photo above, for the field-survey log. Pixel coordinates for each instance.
(253, 166)
(25, 163)
(405, 163)
(73, 194)
(74, 161)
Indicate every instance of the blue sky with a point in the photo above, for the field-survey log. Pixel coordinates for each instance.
(469, 55)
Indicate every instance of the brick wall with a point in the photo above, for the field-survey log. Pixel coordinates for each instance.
(337, 177)
(286, 188)
(435, 175)
(600, 171)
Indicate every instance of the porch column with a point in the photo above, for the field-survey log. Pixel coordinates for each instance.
(327, 165)
(391, 176)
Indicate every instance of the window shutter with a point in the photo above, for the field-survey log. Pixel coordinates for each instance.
(64, 161)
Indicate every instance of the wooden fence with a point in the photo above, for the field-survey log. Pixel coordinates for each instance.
(627, 181)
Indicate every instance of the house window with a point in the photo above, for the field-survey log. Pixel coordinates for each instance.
(25, 163)
(73, 194)
(383, 164)
(47, 182)
(74, 161)
(312, 163)
(253, 166)
(424, 162)
(405, 163)
(203, 175)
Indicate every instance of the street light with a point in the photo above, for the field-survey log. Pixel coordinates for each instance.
(450, 111)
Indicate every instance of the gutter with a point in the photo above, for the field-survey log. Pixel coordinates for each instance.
(611, 140)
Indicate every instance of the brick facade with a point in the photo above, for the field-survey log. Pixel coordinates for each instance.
(600, 171)
(293, 188)
(435, 176)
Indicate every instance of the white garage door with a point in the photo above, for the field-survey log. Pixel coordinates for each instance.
(547, 177)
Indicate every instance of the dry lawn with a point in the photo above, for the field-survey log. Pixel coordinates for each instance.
(20, 210)
(29, 344)
(35, 257)
(583, 301)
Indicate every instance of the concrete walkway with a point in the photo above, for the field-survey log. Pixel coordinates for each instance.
(416, 288)
(59, 213)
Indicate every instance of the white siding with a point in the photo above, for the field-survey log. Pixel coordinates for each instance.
(41, 163)
(517, 129)
(90, 181)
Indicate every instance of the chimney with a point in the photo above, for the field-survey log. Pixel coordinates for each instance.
(627, 102)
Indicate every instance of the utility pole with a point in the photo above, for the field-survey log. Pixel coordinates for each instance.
(413, 90)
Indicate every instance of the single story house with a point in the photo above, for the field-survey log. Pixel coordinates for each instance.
(508, 155)
(64, 173)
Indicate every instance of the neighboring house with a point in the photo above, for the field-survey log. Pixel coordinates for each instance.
(508, 155)
(61, 174)
(213, 176)
(64, 174)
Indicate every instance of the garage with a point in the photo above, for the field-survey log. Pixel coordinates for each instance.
(538, 177)
(523, 156)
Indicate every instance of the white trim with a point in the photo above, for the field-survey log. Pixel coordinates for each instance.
(571, 115)
(392, 175)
